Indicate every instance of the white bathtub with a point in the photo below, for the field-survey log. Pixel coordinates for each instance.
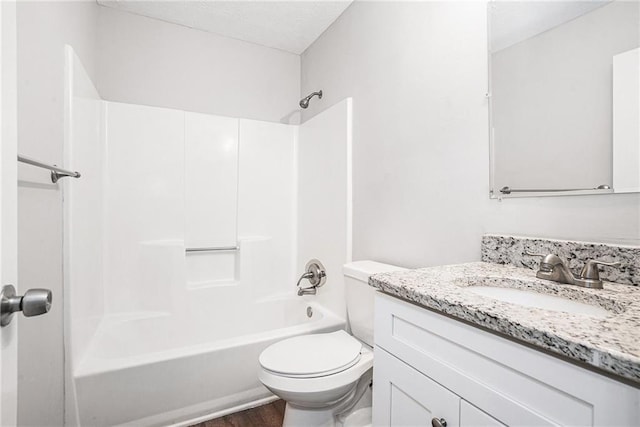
(152, 369)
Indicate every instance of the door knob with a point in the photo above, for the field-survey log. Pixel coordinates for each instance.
(438, 422)
(34, 302)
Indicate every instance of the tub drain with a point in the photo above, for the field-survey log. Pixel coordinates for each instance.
(309, 312)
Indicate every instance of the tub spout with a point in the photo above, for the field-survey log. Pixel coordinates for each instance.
(307, 291)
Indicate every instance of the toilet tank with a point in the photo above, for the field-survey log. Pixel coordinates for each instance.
(360, 296)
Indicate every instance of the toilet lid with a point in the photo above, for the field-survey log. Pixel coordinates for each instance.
(312, 355)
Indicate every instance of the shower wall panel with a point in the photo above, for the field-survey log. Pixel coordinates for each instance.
(84, 150)
(211, 180)
(325, 198)
(178, 180)
(83, 219)
(267, 200)
(211, 198)
(144, 204)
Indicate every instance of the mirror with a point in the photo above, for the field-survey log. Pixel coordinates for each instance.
(564, 97)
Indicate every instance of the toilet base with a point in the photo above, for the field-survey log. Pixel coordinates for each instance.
(358, 416)
(299, 417)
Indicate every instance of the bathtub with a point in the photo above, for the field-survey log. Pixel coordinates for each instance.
(159, 369)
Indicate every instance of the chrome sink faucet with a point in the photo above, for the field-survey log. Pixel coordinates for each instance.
(552, 267)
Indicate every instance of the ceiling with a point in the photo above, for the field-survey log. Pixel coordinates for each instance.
(515, 21)
(287, 25)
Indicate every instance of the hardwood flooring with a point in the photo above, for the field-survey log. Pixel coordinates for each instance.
(270, 415)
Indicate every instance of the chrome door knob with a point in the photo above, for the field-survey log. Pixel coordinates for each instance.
(33, 303)
(36, 302)
(438, 422)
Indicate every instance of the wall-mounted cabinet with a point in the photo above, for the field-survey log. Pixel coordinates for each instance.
(430, 367)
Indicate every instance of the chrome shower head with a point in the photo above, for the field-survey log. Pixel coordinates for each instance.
(304, 102)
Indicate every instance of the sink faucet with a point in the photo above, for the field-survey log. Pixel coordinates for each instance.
(552, 267)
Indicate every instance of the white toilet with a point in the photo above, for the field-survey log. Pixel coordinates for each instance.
(325, 378)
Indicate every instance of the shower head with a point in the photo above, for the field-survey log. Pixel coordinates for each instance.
(304, 102)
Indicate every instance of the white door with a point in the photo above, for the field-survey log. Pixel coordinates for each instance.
(8, 208)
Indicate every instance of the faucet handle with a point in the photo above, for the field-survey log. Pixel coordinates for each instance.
(590, 269)
(548, 262)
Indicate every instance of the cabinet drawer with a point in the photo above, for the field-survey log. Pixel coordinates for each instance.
(405, 397)
(514, 383)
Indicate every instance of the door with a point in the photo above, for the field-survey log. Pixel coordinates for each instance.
(403, 396)
(8, 208)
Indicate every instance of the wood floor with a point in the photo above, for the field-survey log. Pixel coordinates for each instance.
(270, 415)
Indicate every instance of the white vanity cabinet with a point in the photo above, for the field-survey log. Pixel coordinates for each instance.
(429, 366)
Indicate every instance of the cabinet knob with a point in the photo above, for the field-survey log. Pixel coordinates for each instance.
(438, 422)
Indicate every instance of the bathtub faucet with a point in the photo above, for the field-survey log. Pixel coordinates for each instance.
(316, 274)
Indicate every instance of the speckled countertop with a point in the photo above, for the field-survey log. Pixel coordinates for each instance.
(610, 342)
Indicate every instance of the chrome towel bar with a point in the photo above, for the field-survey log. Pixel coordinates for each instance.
(509, 190)
(56, 172)
(213, 249)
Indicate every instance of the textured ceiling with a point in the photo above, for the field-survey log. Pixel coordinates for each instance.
(288, 25)
(515, 21)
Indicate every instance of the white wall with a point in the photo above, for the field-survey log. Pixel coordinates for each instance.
(552, 101)
(43, 30)
(150, 62)
(417, 72)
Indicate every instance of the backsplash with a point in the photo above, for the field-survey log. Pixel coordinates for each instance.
(511, 250)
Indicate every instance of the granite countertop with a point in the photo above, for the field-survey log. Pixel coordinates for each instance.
(610, 343)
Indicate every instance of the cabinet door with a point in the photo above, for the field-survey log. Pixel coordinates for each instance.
(403, 396)
(470, 416)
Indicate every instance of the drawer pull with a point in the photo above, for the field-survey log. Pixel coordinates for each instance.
(438, 422)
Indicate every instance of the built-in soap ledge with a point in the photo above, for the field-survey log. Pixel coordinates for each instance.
(228, 268)
(211, 269)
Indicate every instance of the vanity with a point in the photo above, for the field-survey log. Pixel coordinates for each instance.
(488, 343)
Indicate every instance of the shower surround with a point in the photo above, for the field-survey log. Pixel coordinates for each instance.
(183, 241)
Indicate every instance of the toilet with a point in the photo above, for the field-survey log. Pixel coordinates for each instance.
(325, 378)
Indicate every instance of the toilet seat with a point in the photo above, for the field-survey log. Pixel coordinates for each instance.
(302, 386)
(312, 356)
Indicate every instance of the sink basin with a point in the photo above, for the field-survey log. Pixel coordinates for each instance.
(537, 300)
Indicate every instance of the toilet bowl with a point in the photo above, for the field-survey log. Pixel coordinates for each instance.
(325, 377)
(329, 374)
